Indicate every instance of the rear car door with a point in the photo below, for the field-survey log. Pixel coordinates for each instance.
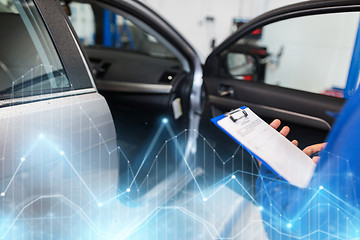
(58, 145)
(300, 69)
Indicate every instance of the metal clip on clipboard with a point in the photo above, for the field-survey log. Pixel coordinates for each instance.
(229, 114)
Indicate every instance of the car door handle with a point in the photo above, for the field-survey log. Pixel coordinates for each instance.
(226, 92)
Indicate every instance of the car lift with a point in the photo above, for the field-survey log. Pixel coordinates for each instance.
(112, 34)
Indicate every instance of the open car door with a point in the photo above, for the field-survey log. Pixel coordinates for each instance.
(145, 70)
(296, 69)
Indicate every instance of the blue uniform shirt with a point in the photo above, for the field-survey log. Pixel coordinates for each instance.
(329, 207)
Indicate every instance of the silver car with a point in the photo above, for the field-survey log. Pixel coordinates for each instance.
(58, 142)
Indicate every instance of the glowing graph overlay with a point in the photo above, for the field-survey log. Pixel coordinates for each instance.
(66, 178)
(183, 197)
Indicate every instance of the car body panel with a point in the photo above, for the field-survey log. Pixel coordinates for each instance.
(58, 150)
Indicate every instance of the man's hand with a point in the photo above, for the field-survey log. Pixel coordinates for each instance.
(310, 150)
(284, 131)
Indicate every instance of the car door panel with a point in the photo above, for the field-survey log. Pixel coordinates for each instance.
(302, 108)
(118, 78)
(310, 118)
(123, 66)
(58, 138)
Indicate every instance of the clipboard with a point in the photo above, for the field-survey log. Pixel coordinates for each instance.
(267, 145)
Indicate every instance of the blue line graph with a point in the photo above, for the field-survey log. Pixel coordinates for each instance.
(165, 205)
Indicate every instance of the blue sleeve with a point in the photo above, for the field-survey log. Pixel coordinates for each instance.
(316, 212)
(279, 203)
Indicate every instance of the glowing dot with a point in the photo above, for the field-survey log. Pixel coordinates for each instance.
(321, 187)
(165, 120)
(233, 176)
(100, 204)
(41, 135)
(261, 208)
(128, 189)
(2, 194)
(22, 159)
(289, 225)
(62, 153)
(205, 199)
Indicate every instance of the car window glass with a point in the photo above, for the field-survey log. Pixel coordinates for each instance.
(7, 6)
(311, 53)
(100, 27)
(29, 64)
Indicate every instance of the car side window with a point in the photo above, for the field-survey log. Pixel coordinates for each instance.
(96, 26)
(29, 63)
(311, 53)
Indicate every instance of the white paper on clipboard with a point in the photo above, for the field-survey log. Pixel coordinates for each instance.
(268, 145)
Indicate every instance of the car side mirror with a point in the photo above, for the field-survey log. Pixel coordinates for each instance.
(241, 66)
